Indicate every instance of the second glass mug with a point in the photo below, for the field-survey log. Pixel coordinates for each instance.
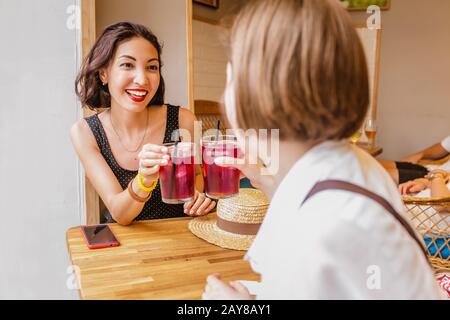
(177, 178)
(220, 182)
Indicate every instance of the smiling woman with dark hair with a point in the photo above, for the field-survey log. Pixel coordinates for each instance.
(91, 90)
(123, 144)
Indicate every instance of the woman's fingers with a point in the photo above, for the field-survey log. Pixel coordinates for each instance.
(147, 163)
(151, 158)
(406, 187)
(154, 148)
(149, 171)
(416, 188)
(211, 206)
(402, 187)
(210, 287)
(410, 187)
(236, 285)
(214, 280)
(152, 155)
(200, 199)
(188, 205)
(201, 205)
(206, 207)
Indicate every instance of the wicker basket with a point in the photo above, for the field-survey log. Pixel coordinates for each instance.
(431, 218)
(434, 162)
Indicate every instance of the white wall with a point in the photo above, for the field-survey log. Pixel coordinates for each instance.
(414, 84)
(210, 57)
(210, 61)
(39, 198)
(167, 20)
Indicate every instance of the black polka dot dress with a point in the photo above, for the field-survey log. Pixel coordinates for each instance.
(154, 208)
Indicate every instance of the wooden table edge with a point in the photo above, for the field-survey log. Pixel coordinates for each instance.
(71, 260)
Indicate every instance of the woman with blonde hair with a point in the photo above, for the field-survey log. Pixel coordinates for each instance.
(332, 230)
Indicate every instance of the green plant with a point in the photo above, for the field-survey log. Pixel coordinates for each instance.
(362, 4)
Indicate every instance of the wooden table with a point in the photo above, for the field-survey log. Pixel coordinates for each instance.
(374, 151)
(157, 259)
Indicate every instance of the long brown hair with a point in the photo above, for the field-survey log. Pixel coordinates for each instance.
(299, 66)
(89, 87)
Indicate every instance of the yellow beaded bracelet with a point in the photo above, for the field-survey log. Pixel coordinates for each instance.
(143, 187)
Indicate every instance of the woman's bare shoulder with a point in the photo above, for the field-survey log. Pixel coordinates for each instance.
(82, 136)
(186, 118)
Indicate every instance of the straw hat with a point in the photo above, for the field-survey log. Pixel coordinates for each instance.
(236, 222)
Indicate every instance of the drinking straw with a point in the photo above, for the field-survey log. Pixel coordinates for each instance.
(216, 142)
(174, 160)
(217, 130)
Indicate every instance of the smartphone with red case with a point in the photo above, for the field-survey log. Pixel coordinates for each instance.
(99, 236)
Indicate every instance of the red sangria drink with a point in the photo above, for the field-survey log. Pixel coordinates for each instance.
(177, 178)
(220, 182)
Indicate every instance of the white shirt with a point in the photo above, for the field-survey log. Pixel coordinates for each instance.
(445, 166)
(338, 245)
(446, 143)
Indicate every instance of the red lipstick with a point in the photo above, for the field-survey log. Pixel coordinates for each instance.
(135, 94)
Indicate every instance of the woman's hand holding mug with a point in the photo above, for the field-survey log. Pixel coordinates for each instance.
(151, 158)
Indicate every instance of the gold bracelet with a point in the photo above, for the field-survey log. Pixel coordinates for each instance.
(134, 195)
(433, 176)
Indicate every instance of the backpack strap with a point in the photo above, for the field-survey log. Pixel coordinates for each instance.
(347, 186)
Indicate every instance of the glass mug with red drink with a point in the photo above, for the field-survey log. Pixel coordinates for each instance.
(177, 178)
(220, 182)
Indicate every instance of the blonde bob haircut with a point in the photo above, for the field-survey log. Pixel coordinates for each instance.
(298, 66)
